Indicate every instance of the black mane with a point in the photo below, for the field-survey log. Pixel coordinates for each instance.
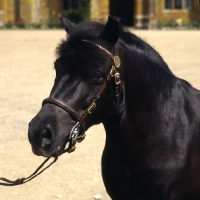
(85, 61)
(92, 30)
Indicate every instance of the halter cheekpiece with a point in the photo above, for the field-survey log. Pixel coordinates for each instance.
(77, 133)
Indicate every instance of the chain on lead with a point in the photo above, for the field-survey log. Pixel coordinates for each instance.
(74, 137)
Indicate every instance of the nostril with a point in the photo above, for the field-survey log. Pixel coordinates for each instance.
(47, 134)
(46, 139)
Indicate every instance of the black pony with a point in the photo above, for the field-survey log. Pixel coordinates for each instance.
(151, 117)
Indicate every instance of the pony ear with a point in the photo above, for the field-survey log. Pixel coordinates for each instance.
(111, 31)
(67, 23)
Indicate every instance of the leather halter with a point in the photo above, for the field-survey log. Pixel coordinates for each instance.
(76, 134)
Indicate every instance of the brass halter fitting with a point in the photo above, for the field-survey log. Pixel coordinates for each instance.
(91, 108)
(117, 61)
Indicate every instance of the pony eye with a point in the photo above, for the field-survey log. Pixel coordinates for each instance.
(98, 78)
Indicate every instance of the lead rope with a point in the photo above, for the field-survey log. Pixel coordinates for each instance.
(37, 172)
(20, 181)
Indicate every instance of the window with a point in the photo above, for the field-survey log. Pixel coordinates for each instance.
(68, 4)
(178, 4)
(168, 4)
(188, 4)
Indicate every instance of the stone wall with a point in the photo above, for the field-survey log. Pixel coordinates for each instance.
(30, 11)
(8, 10)
(99, 10)
(185, 15)
(146, 13)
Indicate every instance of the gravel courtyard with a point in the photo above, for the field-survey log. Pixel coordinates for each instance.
(26, 77)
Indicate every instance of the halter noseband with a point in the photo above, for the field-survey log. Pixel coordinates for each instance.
(76, 135)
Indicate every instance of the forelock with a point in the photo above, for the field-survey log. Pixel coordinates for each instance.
(84, 30)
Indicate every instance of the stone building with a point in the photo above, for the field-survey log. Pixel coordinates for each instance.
(183, 11)
(146, 13)
(138, 13)
(30, 11)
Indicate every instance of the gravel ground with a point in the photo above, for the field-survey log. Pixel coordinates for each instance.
(26, 77)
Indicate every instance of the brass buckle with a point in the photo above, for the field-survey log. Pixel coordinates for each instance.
(81, 138)
(72, 149)
(112, 71)
(117, 78)
(91, 108)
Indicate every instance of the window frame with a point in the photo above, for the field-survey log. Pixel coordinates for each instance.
(173, 4)
(178, 4)
(166, 2)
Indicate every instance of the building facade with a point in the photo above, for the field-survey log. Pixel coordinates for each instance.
(29, 11)
(137, 13)
(146, 13)
(183, 11)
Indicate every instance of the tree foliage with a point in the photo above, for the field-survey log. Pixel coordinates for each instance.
(82, 12)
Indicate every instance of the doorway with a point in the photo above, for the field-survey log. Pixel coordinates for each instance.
(17, 10)
(124, 10)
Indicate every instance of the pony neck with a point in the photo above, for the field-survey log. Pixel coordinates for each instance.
(146, 80)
